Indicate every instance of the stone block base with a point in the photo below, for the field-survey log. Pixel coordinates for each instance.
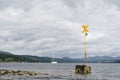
(82, 69)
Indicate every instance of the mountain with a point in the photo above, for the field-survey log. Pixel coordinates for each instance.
(102, 59)
(6, 53)
(70, 60)
(95, 59)
(9, 57)
(36, 58)
(117, 61)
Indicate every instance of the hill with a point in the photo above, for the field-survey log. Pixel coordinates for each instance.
(9, 57)
(103, 59)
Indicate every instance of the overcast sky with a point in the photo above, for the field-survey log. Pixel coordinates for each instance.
(44, 27)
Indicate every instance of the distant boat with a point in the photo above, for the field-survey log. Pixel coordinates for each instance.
(53, 60)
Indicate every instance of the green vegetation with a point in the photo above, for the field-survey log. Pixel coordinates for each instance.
(8, 57)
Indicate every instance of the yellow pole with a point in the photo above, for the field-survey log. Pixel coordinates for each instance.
(85, 48)
(85, 30)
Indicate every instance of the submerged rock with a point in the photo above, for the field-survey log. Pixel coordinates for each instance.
(21, 73)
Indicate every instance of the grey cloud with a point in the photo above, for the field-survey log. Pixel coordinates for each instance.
(55, 27)
(114, 2)
(25, 4)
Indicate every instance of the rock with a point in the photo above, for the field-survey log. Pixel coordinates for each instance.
(45, 74)
(21, 73)
(3, 72)
(82, 69)
(32, 73)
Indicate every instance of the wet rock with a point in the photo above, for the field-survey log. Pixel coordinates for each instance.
(22, 73)
(82, 69)
(3, 72)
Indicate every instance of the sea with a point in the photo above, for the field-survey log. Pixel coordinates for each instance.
(62, 71)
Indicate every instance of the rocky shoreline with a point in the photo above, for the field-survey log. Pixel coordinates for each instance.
(20, 73)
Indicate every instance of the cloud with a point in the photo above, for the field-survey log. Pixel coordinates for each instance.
(41, 28)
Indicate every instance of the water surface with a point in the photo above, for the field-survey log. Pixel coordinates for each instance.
(63, 71)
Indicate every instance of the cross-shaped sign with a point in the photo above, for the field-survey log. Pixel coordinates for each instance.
(85, 30)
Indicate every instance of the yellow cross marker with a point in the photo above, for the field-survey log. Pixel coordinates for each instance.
(85, 30)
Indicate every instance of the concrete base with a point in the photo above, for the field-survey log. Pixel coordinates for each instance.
(82, 69)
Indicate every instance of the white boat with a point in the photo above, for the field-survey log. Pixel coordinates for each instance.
(53, 60)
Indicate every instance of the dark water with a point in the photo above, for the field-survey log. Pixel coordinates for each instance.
(63, 71)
